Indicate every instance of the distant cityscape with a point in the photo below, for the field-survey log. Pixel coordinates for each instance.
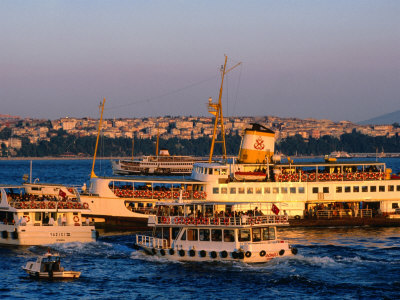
(37, 130)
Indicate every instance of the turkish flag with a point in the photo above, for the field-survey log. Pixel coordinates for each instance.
(62, 194)
(275, 209)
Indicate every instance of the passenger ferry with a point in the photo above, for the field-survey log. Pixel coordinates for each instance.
(323, 189)
(327, 189)
(39, 218)
(162, 164)
(201, 231)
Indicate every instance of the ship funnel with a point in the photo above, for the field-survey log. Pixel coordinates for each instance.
(164, 152)
(258, 145)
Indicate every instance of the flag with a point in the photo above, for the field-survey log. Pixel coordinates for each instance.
(275, 209)
(62, 194)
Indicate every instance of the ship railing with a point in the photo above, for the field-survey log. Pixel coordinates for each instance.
(49, 204)
(313, 177)
(151, 242)
(344, 213)
(223, 221)
(160, 195)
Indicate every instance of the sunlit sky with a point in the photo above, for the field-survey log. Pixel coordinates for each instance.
(337, 60)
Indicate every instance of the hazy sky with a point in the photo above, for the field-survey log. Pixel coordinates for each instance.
(337, 60)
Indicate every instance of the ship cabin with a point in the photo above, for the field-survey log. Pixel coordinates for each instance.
(19, 207)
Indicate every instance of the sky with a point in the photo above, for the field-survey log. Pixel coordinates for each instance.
(337, 60)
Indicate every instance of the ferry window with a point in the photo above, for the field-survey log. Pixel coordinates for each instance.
(356, 189)
(268, 233)
(315, 190)
(267, 190)
(390, 188)
(347, 189)
(258, 190)
(204, 234)
(175, 232)
(149, 205)
(398, 188)
(215, 190)
(34, 188)
(223, 171)
(244, 235)
(38, 216)
(256, 234)
(301, 189)
(395, 205)
(284, 190)
(216, 235)
(381, 188)
(216, 172)
(229, 235)
(192, 235)
(338, 189)
(293, 190)
(275, 190)
(233, 191)
(241, 190)
(372, 188)
(364, 189)
(183, 238)
(325, 189)
(224, 190)
(210, 171)
(250, 190)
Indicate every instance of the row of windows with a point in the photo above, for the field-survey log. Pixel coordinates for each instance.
(228, 235)
(301, 190)
(357, 189)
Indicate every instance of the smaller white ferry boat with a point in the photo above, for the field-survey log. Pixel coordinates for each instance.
(214, 232)
(49, 266)
(43, 214)
(162, 164)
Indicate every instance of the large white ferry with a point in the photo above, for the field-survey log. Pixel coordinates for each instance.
(362, 192)
(210, 231)
(51, 214)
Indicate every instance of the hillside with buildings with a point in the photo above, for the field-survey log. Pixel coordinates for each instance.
(16, 132)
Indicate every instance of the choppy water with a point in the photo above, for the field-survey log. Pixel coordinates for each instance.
(333, 263)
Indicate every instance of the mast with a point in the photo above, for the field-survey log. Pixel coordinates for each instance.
(158, 139)
(133, 145)
(216, 110)
(92, 174)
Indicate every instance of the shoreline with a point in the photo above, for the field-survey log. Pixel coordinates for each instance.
(59, 158)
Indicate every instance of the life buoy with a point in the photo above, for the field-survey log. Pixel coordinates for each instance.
(258, 220)
(333, 176)
(27, 218)
(42, 205)
(262, 253)
(321, 176)
(33, 205)
(85, 205)
(340, 176)
(327, 176)
(304, 177)
(76, 219)
(164, 220)
(196, 195)
(311, 177)
(349, 176)
(51, 205)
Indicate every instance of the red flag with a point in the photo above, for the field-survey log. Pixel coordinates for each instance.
(62, 194)
(275, 209)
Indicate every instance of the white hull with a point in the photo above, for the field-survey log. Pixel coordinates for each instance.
(215, 255)
(30, 235)
(53, 275)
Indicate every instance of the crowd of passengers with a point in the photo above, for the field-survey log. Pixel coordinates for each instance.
(178, 211)
(143, 188)
(31, 197)
(351, 209)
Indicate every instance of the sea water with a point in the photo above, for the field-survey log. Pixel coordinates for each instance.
(332, 263)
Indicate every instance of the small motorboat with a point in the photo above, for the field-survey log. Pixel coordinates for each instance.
(49, 266)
